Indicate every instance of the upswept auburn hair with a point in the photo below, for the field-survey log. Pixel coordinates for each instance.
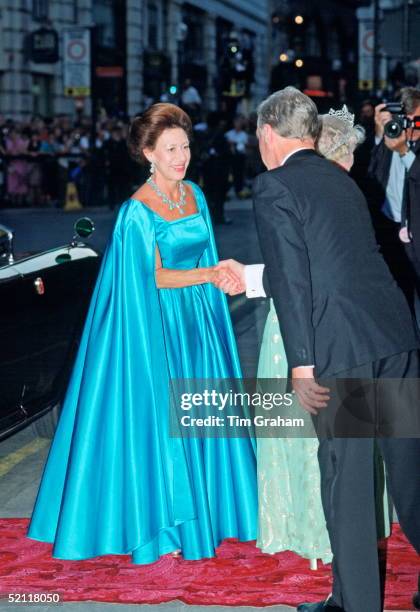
(146, 128)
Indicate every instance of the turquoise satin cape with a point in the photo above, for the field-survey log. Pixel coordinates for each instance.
(97, 496)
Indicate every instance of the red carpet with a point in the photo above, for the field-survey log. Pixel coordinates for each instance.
(239, 576)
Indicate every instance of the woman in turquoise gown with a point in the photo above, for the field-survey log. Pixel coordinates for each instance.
(115, 481)
(291, 516)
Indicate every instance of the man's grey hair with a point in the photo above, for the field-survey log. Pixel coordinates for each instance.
(410, 99)
(290, 113)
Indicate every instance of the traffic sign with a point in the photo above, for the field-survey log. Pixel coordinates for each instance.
(366, 57)
(76, 62)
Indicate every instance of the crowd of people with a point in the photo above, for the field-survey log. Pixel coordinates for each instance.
(40, 157)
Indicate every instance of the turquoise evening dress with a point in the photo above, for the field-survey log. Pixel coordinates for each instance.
(291, 516)
(115, 482)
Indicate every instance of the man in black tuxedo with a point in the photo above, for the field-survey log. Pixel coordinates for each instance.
(342, 315)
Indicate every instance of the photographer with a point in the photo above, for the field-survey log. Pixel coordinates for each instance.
(395, 167)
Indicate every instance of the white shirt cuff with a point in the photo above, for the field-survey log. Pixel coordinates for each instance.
(254, 281)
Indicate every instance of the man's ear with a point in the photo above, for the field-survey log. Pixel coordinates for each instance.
(267, 133)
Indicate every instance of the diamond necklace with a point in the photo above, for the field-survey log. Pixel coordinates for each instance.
(170, 203)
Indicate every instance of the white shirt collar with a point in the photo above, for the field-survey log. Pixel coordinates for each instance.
(295, 151)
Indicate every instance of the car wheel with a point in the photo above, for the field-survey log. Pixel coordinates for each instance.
(45, 426)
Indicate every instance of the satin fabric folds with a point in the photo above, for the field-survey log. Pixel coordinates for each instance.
(115, 482)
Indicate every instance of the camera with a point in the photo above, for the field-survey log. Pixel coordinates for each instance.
(399, 122)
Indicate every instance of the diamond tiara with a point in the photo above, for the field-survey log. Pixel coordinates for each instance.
(343, 114)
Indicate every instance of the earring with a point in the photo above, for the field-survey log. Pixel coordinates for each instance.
(152, 168)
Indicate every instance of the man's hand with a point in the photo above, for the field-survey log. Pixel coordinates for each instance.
(235, 268)
(393, 144)
(226, 280)
(311, 395)
(397, 144)
(380, 119)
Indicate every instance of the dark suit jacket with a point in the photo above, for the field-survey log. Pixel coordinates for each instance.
(379, 167)
(337, 303)
(413, 206)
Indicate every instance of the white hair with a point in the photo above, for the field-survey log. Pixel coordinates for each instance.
(338, 138)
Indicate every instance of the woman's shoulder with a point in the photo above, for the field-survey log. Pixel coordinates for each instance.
(132, 209)
(140, 199)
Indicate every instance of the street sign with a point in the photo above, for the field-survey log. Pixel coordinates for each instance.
(366, 57)
(76, 62)
(366, 44)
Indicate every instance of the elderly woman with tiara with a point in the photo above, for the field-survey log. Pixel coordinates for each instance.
(291, 516)
(115, 481)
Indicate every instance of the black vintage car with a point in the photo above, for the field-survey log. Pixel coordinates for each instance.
(43, 302)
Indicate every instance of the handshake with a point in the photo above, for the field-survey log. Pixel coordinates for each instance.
(229, 276)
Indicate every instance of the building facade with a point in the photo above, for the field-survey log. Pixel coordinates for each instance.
(141, 49)
(334, 41)
(28, 87)
(314, 45)
(398, 57)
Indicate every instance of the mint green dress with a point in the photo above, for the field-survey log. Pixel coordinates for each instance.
(291, 516)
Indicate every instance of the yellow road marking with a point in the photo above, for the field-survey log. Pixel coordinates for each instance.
(9, 462)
